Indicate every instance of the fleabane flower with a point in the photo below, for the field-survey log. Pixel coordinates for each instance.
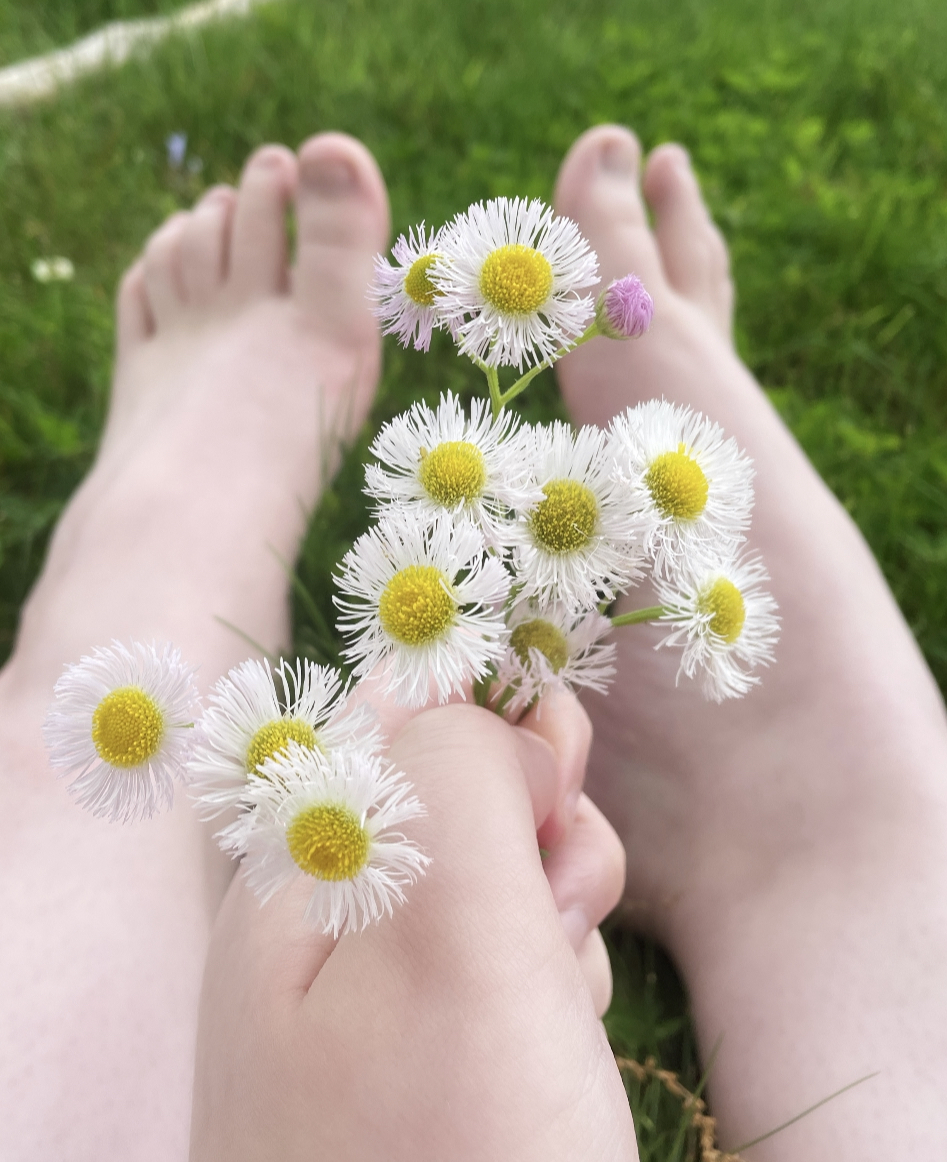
(436, 462)
(334, 818)
(694, 484)
(509, 281)
(422, 601)
(725, 621)
(405, 297)
(254, 713)
(582, 543)
(121, 722)
(550, 645)
(624, 309)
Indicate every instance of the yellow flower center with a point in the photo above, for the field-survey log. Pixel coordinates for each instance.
(453, 472)
(725, 603)
(417, 605)
(677, 484)
(541, 635)
(565, 520)
(127, 727)
(274, 738)
(417, 285)
(516, 279)
(328, 841)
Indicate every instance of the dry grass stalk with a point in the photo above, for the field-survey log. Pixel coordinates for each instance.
(701, 1121)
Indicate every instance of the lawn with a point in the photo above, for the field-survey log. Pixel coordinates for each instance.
(819, 132)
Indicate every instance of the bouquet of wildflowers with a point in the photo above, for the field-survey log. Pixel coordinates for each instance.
(497, 551)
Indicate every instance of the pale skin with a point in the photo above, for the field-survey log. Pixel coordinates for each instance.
(236, 375)
(788, 848)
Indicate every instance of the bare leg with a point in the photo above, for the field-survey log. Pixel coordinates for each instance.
(235, 377)
(789, 848)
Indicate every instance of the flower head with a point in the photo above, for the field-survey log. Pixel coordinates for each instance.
(582, 542)
(56, 269)
(255, 713)
(549, 645)
(509, 281)
(422, 601)
(120, 722)
(435, 462)
(726, 623)
(331, 817)
(693, 484)
(624, 309)
(405, 296)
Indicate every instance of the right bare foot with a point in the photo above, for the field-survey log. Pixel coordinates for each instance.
(789, 847)
(236, 378)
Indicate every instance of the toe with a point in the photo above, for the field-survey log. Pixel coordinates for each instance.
(342, 222)
(162, 271)
(598, 187)
(692, 249)
(205, 245)
(134, 322)
(258, 244)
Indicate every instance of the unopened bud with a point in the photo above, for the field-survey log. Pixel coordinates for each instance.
(624, 309)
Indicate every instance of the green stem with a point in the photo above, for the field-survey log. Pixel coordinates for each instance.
(525, 380)
(481, 690)
(636, 616)
(504, 699)
(496, 396)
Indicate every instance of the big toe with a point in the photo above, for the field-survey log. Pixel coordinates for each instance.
(342, 222)
(694, 254)
(599, 188)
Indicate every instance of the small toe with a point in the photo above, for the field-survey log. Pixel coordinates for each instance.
(258, 243)
(599, 188)
(693, 251)
(162, 271)
(205, 245)
(342, 222)
(134, 321)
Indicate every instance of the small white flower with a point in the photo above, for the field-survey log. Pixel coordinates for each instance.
(121, 722)
(509, 281)
(695, 486)
(249, 719)
(434, 462)
(405, 296)
(424, 604)
(550, 645)
(726, 623)
(57, 269)
(330, 817)
(582, 542)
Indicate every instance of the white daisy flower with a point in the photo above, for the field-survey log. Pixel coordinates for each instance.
(582, 543)
(550, 645)
(254, 713)
(695, 486)
(423, 602)
(121, 722)
(439, 461)
(332, 817)
(509, 281)
(726, 623)
(404, 294)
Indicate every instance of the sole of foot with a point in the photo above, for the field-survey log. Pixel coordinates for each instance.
(757, 830)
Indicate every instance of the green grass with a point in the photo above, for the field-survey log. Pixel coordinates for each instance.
(819, 132)
(28, 29)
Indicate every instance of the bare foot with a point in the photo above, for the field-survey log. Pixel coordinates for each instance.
(789, 847)
(236, 376)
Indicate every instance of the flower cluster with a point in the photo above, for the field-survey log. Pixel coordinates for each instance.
(496, 554)
(284, 750)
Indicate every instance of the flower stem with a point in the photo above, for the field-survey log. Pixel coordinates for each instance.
(481, 689)
(496, 396)
(652, 613)
(525, 380)
(503, 701)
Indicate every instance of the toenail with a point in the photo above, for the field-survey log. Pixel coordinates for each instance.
(328, 175)
(619, 157)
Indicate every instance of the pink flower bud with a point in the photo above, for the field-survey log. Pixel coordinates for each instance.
(624, 308)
